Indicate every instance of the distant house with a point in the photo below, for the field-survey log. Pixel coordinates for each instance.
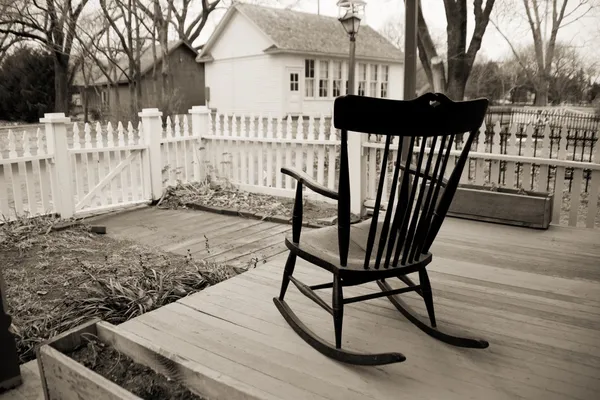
(187, 81)
(268, 60)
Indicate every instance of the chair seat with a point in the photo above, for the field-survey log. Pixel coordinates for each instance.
(320, 246)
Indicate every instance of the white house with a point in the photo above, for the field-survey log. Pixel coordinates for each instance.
(269, 60)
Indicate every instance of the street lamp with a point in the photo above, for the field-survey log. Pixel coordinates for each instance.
(350, 14)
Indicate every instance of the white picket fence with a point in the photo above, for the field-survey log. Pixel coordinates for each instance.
(576, 199)
(76, 170)
(250, 151)
(85, 169)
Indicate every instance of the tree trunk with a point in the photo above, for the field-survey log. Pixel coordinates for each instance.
(457, 81)
(84, 103)
(541, 91)
(61, 83)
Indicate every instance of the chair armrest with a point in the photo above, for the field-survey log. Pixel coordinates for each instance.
(306, 180)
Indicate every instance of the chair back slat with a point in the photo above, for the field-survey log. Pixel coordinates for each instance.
(389, 211)
(418, 217)
(405, 230)
(432, 192)
(420, 196)
(382, 178)
(344, 202)
(399, 217)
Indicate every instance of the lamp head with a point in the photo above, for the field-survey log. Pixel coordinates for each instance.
(351, 12)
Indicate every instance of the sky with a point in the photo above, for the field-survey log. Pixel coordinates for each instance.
(583, 32)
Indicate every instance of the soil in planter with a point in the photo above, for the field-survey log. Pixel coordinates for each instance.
(122, 370)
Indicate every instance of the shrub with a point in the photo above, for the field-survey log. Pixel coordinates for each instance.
(26, 85)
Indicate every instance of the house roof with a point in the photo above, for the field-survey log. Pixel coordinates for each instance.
(146, 64)
(293, 31)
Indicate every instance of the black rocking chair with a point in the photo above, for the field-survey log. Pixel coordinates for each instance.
(396, 243)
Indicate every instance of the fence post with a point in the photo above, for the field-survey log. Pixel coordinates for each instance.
(357, 166)
(56, 139)
(200, 121)
(152, 130)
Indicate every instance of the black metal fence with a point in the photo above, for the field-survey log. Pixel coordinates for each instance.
(582, 133)
(582, 130)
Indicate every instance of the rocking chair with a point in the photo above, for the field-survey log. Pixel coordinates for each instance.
(395, 241)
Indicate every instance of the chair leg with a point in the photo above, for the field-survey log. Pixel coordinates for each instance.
(427, 295)
(287, 272)
(338, 310)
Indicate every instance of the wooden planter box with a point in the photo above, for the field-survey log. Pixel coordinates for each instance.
(504, 206)
(65, 379)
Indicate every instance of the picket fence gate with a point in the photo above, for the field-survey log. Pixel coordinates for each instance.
(77, 171)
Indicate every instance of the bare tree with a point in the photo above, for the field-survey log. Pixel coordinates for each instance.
(51, 23)
(188, 24)
(99, 56)
(124, 19)
(539, 14)
(451, 77)
(7, 40)
(161, 18)
(393, 30)
(568, 77)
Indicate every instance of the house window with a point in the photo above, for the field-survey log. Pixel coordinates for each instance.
(104, 97)
(373, 80)
(323, 78)
(384, 80)
(337, 78)
(362, 79)
(346, 76)
(309, 78)
(294, 82)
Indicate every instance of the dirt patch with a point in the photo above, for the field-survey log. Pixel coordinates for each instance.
(227, 196)
(57, 280)
(122, 370)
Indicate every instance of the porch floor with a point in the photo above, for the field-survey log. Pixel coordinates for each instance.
(535, 295)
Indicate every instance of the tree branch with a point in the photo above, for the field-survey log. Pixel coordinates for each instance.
(24, 34)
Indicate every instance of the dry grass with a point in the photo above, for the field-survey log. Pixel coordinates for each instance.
(58, 279)
(223, 194)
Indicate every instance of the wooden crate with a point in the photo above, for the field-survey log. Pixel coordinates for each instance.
(505, 206)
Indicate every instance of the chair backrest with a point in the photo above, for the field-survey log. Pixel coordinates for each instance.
(420, 197)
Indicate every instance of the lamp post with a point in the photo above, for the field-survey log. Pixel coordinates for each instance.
(350, 14)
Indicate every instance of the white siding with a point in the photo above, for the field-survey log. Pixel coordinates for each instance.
(240, 38)
(246, 85)
(396, 79)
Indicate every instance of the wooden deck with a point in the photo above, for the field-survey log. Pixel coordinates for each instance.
(207, 236)
(534, 295)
